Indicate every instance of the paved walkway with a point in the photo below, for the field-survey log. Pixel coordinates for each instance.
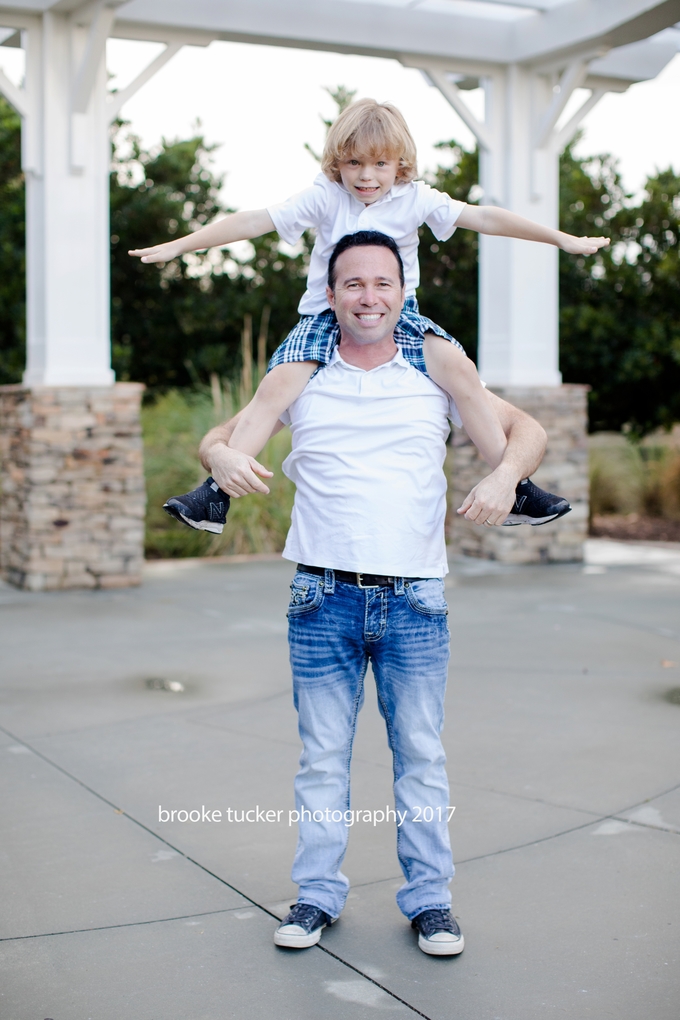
(562, 739)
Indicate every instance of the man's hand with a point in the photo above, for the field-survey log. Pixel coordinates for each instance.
(160, 252)
(236, 473)
(582, 245)
(491, 500)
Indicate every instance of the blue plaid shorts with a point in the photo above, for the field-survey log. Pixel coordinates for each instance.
(315, 336)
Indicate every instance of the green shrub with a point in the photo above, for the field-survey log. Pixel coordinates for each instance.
(173, 426)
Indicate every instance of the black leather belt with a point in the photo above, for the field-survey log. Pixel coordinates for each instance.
(360, 580)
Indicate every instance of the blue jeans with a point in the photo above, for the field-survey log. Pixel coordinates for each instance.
(334, 629)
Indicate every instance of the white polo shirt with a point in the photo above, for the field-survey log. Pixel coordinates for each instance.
(333, 212)
(367, 461)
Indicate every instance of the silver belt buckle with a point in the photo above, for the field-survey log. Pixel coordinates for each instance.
(362, 585)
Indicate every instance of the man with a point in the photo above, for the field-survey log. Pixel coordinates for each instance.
(369, 437)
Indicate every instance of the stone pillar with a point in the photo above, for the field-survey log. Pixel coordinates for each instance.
(72, 500)
(563, 414)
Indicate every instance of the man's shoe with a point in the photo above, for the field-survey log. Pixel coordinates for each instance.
(438, 933)
(535, 506)
(302, 927)
(204, 508)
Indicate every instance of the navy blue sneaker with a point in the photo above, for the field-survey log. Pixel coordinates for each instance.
(302, 927)
(204, 508)
(535, 506)
(438, 933)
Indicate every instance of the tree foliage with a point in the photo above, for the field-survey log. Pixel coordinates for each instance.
(12, 248)
(176, 323)
(448, 269)
(620, 312)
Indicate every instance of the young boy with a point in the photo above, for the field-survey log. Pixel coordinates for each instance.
(367, 183)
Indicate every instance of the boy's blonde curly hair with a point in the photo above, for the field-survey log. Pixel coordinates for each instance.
(370, 129)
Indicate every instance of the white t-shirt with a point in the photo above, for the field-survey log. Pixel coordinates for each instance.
(367, 461)
(333, 212)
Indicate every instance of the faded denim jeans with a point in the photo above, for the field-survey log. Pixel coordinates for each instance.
(334, 630)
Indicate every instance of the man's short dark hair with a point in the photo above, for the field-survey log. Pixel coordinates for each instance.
(363, 239)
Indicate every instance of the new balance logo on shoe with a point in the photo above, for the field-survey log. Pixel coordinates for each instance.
(535, 506)
(204, 508)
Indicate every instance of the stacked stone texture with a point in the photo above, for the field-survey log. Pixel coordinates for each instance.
(563, 414)
(72, 500)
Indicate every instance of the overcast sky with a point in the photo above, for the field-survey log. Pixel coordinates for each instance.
(261, 104)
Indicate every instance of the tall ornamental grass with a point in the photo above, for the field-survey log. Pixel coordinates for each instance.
(635, 478)
(173, 426)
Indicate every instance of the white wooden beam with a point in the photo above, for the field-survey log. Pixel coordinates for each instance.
(572, 78)
(15, 97)
(118, 99)
(103, 18)
(582, 25)
(562, 138)
(341, 26)
(451, 93)
(570, 29)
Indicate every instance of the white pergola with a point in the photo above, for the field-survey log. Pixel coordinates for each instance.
(528, 56)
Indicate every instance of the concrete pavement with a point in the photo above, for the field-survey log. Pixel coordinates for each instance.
(562, 737)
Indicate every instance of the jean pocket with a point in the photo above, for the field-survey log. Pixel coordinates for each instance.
(306, 594)
(427, 596)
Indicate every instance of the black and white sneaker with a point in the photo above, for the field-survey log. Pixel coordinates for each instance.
(302, 927)
(535, 506)
(204, 508)
(438, 933)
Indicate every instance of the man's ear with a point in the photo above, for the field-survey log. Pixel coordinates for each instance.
(331, 298)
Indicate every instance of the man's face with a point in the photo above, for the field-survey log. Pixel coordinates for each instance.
(368, 295)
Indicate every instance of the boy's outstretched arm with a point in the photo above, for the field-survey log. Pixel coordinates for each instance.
(228, 451)
(240, 226)
(491, 219)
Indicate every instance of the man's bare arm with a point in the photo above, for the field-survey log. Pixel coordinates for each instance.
(228, 451)
(491, 500)
(278, 390)
(235, 472)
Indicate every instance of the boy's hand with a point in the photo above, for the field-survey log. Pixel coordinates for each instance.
(159, 252)
(235, 472)
(491, 500)
(581, 245)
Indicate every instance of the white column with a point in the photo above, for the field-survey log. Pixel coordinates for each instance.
(518, 280)
(519, 149)
(67, 209)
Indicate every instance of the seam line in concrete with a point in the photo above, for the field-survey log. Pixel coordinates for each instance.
(666, 632)
(617, 816)
(110, 927)
(169, 713)
(207, 871)
(244, 733)
(531, 800)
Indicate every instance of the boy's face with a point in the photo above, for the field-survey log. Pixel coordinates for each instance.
(368, 178)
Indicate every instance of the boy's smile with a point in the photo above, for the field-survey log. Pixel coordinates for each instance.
(368, 179)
